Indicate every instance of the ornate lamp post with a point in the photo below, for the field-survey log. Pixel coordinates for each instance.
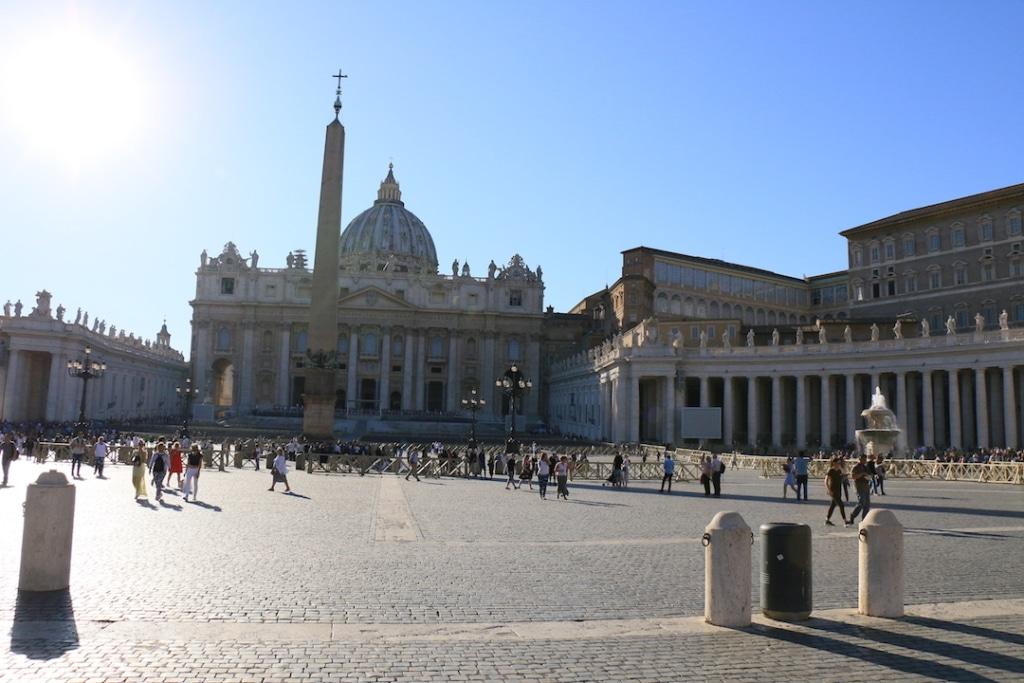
(515, 385)
(473, 404)
(85, 369)
(187, 393)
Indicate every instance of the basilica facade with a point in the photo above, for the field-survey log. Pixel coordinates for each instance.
(411, 339)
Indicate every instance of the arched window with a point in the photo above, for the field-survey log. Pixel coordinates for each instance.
(223, 339)
(661, 303)
(368, 344)
(471, 348)
(676, 305)
(436, 347)
(513, 350)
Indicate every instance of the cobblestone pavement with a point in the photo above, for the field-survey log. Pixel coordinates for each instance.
(349, 550)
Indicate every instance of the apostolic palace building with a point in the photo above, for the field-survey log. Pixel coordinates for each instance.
(931, 309)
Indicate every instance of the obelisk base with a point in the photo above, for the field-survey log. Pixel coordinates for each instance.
(318, 404)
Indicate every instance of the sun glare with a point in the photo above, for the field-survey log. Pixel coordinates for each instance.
(73, 94)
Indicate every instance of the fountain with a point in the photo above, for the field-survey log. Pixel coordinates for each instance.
(881, 435)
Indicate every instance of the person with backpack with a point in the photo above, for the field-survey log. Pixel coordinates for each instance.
(194, 463)
(669, 466)
(717, 470)
(159, 463)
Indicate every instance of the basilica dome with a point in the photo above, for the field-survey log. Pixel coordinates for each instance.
(388, 236)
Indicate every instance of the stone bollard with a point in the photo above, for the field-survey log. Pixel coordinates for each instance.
(727, 540)
(880, 579)
(300, 460)
(46, 540)
(270, 460)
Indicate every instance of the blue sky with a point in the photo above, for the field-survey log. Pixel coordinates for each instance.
(566, 131)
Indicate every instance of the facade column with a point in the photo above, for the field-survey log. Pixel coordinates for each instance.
(1009, 408)
(409, 346)
(954, 410)
(487, 376)
(201, 363)
(669, 435)
(283, 365)
(876, 381)
(902, 405)
(752, 413)
(420, 387)
(981, 407)
(384, 390)
(57, 371)
(634, 407)
(826, 411)
(927, 410)
(705, 392)
(247, 371)
(728, 410)
(801, 411)
(851, 414)
(776, 410)
(352, 369)
(451, 385)
(533, 374)
(13, 393)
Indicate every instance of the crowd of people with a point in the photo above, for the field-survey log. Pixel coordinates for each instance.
(868, 475)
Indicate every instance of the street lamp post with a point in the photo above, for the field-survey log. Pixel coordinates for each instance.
(473, 404)
(85, 369)
(186, 393)
(515, 385)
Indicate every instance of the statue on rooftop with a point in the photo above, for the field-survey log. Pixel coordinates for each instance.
(926, 329)
(1004, 320)
(897, 330)
(950, 326)
(492, 268)
(874, 332)
(847, 334)
(750, 338)
(979, 322)
(775, 336)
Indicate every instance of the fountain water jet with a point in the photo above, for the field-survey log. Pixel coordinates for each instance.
(881, 435)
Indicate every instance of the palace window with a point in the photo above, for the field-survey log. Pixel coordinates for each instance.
(515, 297)
(909, 284)
(908, 246)
(1016, 268)
(1013, 227)
(227, 285)
(962, 320)
(890, 251)
(368, 344)
(960, 275)
(985, 229)
(858, 257)
(989, 312)
(874, 253)
(988, 272)
(890, 287)
(958, 237)
(1018, 311)
(436, 347)
(934, 242)
(934, 279)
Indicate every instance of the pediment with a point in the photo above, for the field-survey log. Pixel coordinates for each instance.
(374, 298)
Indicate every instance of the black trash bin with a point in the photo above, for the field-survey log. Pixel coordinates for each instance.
(786, 571)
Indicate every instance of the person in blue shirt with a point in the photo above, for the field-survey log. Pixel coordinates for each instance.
(800, 466)
(669, 466)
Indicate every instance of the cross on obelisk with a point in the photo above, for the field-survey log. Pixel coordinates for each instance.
(337, 98)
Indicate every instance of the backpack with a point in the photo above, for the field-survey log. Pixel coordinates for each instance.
(158, 464)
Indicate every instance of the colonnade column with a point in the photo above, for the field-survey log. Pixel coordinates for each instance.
(826, 411)
(634, 408)
(801, 411)
(981, 407)
(1009, 408)
(902, 405)
(384, 390)
(283, 364)
(727, 411)
(670, 409)
(927, 408)
(876, 381)
(954, 409)
(776, 410)
(353, 370)
(705, 392)
(57, 371)
(851, 402)
(247, 370)
(752, 421)
(619, 408)
(453, 364)
(409, 342)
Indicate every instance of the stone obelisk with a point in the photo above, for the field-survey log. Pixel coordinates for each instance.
(318, 401)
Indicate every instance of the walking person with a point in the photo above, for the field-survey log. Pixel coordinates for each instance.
(562, 477)
(862, 486)
(705, 474)
(490, 466)
(717, 470)
(800, 467)
(176, 464)
(481, 463)
(195, 463)
(880, 470)
(543, 472)
(790, 481)
(158, 466)
(625, 470)
(510, 468)
(669, 466)
(873, 473)
(414, 464)
(834, 486)
(100, 451)
(77, 455)
(8, 454)
(526, 472)
(139, 473)
(279, 472)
